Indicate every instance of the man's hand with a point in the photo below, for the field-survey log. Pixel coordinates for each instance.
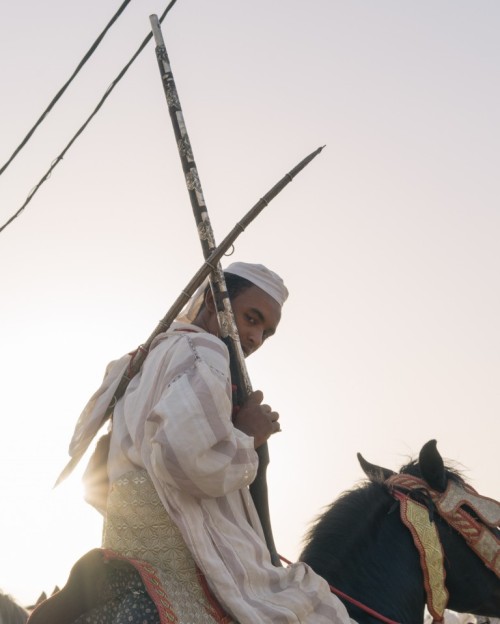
(257, 419)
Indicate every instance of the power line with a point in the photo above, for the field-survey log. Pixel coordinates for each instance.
(58, 159)
(89, 53)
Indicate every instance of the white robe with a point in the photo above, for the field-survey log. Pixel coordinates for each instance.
(174, 421)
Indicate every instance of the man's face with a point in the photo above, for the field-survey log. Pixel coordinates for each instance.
(257, 316)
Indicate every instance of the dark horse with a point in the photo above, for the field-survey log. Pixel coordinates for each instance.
(366, 548)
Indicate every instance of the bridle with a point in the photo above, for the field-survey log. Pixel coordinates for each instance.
(416, 517)
(451, 506)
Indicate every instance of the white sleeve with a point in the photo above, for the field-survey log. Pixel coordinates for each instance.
(189, 440)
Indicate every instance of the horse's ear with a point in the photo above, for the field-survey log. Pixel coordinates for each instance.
(373, 472)
(41, 598)
(432, 466)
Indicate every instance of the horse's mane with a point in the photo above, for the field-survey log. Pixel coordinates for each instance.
(333, 534)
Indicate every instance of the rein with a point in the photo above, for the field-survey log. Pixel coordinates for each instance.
(353, 601)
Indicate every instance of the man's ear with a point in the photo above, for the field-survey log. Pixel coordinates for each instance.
(209, 301)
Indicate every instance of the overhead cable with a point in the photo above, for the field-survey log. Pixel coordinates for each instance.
(58, 159)
(89, 53)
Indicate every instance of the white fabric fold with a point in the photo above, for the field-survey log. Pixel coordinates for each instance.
(90, 419)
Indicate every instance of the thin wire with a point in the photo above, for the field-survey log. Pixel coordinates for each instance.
(58, 159)
(58, 95)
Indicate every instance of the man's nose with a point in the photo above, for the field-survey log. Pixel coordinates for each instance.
(256, 339)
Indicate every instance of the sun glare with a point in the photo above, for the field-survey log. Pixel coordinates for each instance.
(59, 527)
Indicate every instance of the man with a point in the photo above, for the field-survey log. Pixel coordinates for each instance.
(180, 461)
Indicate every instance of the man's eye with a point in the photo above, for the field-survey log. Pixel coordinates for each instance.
(250, 319)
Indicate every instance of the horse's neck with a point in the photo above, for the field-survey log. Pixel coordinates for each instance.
(386, 576)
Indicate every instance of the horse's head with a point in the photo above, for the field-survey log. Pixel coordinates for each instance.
(454, 529)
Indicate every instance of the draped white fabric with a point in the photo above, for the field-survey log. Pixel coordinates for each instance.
(175, 421)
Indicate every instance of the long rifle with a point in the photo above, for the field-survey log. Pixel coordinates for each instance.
(196, 281)
(227, 324)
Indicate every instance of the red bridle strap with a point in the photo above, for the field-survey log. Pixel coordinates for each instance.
(353, 601)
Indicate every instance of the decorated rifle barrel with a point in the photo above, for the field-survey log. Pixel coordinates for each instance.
(204, 271)
(227, 324)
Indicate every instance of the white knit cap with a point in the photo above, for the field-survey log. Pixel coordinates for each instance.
(269, 281)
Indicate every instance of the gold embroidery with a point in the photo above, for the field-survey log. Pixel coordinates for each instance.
(416, 517)
(138, 527)
(449, 506)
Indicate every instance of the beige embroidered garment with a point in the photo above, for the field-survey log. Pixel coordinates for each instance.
(138, 527)
(174, 422)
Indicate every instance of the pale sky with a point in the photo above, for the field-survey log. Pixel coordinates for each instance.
(388, 241)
